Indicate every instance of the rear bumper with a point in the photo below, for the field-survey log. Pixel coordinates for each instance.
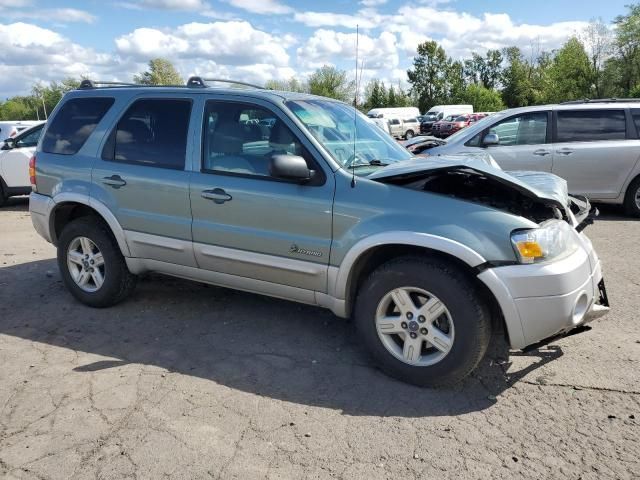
(40, 207)
(540, 301)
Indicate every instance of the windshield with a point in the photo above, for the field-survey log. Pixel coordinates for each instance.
(352, 140)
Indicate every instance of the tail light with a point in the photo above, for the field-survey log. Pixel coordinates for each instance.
(32, 172)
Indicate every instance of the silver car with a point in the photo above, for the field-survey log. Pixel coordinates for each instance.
(594, 145)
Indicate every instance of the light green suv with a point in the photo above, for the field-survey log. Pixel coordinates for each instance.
(300, 197)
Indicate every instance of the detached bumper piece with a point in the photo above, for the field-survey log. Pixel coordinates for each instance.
(583, 211)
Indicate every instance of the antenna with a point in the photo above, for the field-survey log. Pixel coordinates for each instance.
(355, 116)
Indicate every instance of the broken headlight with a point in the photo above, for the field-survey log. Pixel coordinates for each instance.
(552, 240)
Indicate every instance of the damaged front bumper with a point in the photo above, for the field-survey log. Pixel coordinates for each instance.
(540, 301)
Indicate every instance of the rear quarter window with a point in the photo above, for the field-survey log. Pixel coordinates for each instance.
(74, 123)
(591, 125)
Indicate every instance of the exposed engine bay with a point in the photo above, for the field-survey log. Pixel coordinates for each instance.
(474, 186)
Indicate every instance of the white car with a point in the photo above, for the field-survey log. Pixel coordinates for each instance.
(14, 162)
(10, 128)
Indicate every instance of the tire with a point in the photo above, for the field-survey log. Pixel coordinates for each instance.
(632, 198)
(465, 321)
(3, 198)
(408, 135)
(117, 282)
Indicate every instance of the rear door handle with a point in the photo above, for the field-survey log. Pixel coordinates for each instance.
(564, 151)
(541, 152)
(114, 181)
(218, 195)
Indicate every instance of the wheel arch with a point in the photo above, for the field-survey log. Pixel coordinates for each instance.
(69, 206)
(365, 257)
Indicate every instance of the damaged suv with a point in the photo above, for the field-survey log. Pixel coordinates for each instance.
(316, 205)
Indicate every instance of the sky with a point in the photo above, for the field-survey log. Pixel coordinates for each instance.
(257, 40)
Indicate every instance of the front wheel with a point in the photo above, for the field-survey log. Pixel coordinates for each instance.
(632, 198)
(423, 321)
(91, 264)
(409, 134)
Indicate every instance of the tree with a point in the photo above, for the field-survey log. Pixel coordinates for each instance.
(428, 77)
(392, 100)
(598, 42)
(161, 72)
(328, 81)
(482, 98)
(454, 80)
(627, 44)
(516, 79)
(569, 73)
(373, 97)
(291, 85)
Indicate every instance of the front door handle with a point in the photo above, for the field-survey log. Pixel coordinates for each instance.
(541, 152)
(564, 151)
(114, 181)
(218, 195)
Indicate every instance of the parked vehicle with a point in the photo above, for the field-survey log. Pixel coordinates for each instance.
(442, 111)
(594, 145)
(462, 121)
(396, 112)
(442, 128)
(428, 255)
(417, 145)
(382, 124)
(406, 129)
(10, 128)
(427, 122)
(14, 162)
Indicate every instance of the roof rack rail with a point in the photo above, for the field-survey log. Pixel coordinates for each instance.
(87, 84)
(601, 100)
(199, 82)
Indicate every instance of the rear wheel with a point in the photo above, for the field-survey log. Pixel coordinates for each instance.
(423, 321)
(92, 267)
(632, 198)
(409, 134)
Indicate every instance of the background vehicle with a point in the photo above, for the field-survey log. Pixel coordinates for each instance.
(442, 111)
(14, 162)
(406, 129)
(463, 121)
(594, 145)
(176, 180)
(10, 128)
(442, 128)
(381, 123)
(427, 122)
(395, 112)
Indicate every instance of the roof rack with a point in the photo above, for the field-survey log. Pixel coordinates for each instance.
(193, 82)
(199, 82)
(87, 84)
(601, 100)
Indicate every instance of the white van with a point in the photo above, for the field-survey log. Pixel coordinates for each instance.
(442, 111)
(401, 113)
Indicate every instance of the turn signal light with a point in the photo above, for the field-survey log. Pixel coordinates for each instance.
(530, 249)
(32, 172)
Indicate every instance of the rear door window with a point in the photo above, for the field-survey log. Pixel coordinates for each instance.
(74, 123)
(152, 132)
(591, 125)
(636, 119)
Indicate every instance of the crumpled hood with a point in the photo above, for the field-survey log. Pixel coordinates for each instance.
(537, 185)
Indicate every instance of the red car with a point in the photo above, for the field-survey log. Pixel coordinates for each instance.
(441, 127)
(462, 121)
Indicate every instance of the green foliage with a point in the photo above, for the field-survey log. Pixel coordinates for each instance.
(429, 75)
(569, 74)
(328, 81)
(43, 98)
(291, 85)
(161, 72)
(482, 98)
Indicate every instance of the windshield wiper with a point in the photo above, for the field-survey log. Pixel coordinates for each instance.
(372, 163)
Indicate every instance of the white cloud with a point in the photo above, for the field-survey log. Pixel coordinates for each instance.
(189, 5)
(61, 15)
(328, 46)
(15, 3)
(372, 3)
(262, 7)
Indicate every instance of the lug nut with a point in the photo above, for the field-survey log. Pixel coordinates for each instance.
(409, 315)
(423, 331)
(413, 335)
(403, 324)
(421, 319)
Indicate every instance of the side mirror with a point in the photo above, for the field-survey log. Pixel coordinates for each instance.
(290, 167)
(490, 139)
(9, 144)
